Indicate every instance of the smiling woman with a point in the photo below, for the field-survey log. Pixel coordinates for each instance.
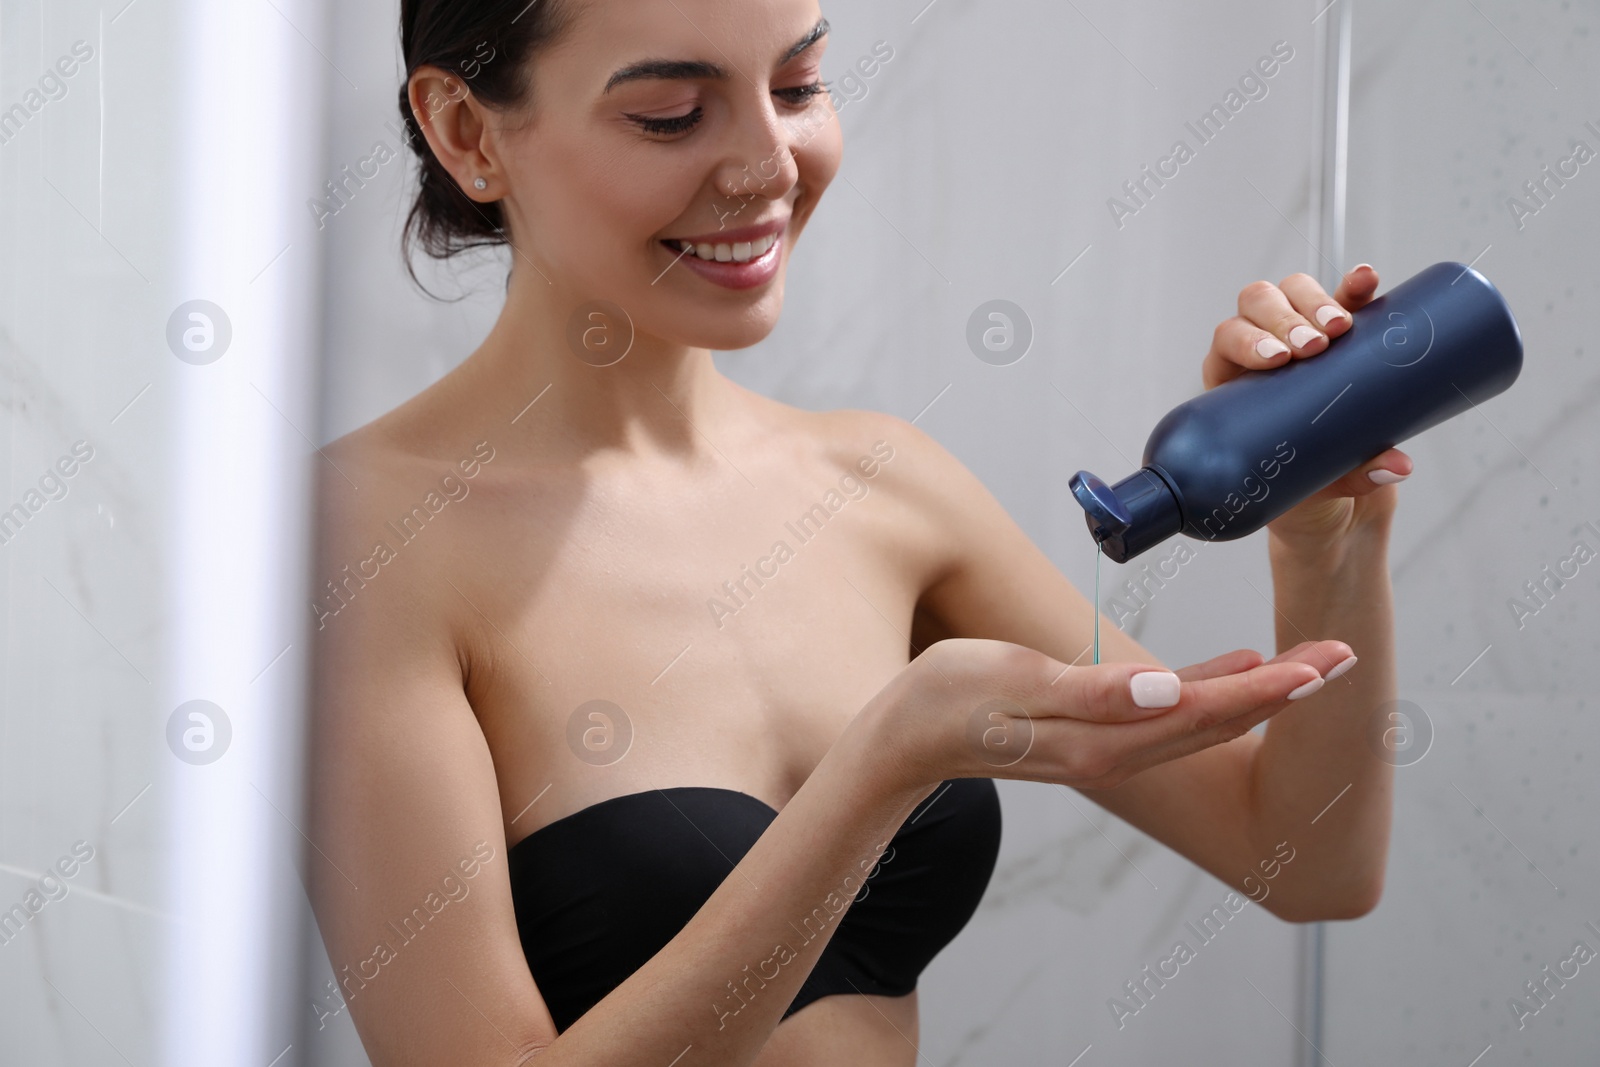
(700, 898)
(641, 108)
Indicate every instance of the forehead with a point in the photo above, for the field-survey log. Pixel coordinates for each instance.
(745, 37)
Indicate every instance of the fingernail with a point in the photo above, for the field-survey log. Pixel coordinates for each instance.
(1385, 477)
(1270, 347)
(1307, 689)
(1339, 668)
(1328, 312)
(1358, 266)
(1155, 689)
(1301, 336)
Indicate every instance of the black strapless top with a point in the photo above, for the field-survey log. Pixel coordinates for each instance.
(599, 892)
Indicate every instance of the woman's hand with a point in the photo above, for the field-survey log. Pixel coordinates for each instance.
(970, 708)
(1295, 320)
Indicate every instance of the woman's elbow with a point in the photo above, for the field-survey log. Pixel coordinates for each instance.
(1330, 906)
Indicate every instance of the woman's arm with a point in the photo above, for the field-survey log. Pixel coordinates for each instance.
(1318, 762)
(1229, 807)
(407, 868)
(1205, 806)
(1319, 775)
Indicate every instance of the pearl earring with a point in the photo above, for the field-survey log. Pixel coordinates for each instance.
(480, 183)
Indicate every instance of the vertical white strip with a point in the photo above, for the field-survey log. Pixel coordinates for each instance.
(100, 151)
(1330, 141)
(1340, 150)
(250, 142)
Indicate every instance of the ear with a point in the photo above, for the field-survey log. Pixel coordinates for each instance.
(454, 122)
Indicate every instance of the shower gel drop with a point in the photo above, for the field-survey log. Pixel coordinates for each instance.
(1224, 464)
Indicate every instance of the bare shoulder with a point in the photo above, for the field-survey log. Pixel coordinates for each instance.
(382, 491)
(425, 443)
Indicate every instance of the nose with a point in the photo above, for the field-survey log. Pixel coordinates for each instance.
(760, 158)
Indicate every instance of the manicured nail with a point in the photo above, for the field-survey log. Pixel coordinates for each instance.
(1301, 336)
(1155, 689)
(1384, 477)
(1339, 668)
(1307, 689)
(1328, 312)
(1270, 347)
(1358, 266)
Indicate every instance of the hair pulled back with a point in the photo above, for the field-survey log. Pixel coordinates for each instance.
(487, 44)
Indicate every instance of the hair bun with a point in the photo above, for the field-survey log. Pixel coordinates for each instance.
(487, 44)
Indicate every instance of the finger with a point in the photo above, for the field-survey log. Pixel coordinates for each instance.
(1111, 692)
(1268, 307)
(1246, 343)
(1377, 473)
(1239, 345)
(1242, 659)
(1325, 656)
(1215, 701)
(1358, 286)
(1134, 692)
(1311, 300)
(1211, 711)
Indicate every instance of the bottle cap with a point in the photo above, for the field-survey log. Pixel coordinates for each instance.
(1137, 513)
(1104, 512)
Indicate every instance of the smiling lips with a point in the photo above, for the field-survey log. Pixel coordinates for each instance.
(738, 259)
(738, 252)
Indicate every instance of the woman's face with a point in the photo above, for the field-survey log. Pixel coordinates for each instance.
(653, 122)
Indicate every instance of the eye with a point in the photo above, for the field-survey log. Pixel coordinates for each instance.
(675, 124)
(797, 96)
(800, 95)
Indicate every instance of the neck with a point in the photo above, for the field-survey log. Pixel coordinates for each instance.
(554, 345)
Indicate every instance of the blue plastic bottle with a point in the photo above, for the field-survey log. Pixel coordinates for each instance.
(1224, 464)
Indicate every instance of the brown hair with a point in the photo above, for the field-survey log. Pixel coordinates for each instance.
(487, 44)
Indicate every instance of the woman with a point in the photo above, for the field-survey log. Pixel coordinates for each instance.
(620, 757)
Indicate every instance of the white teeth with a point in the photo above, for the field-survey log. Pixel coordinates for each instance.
(741, 252)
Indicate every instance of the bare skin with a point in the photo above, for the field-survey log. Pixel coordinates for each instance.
(586, 536)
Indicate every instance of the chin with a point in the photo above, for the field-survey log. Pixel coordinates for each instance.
(734, 333)
(724, 324)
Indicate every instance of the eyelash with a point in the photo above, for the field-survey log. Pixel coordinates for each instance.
(799, 95)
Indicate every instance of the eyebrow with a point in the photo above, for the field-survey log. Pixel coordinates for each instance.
(682, 69)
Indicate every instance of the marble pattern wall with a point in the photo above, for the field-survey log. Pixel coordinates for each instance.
(85, 250)
(138, 858)
(1493, 870)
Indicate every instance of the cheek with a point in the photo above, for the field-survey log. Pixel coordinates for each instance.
(817, 160)
(589, 209)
